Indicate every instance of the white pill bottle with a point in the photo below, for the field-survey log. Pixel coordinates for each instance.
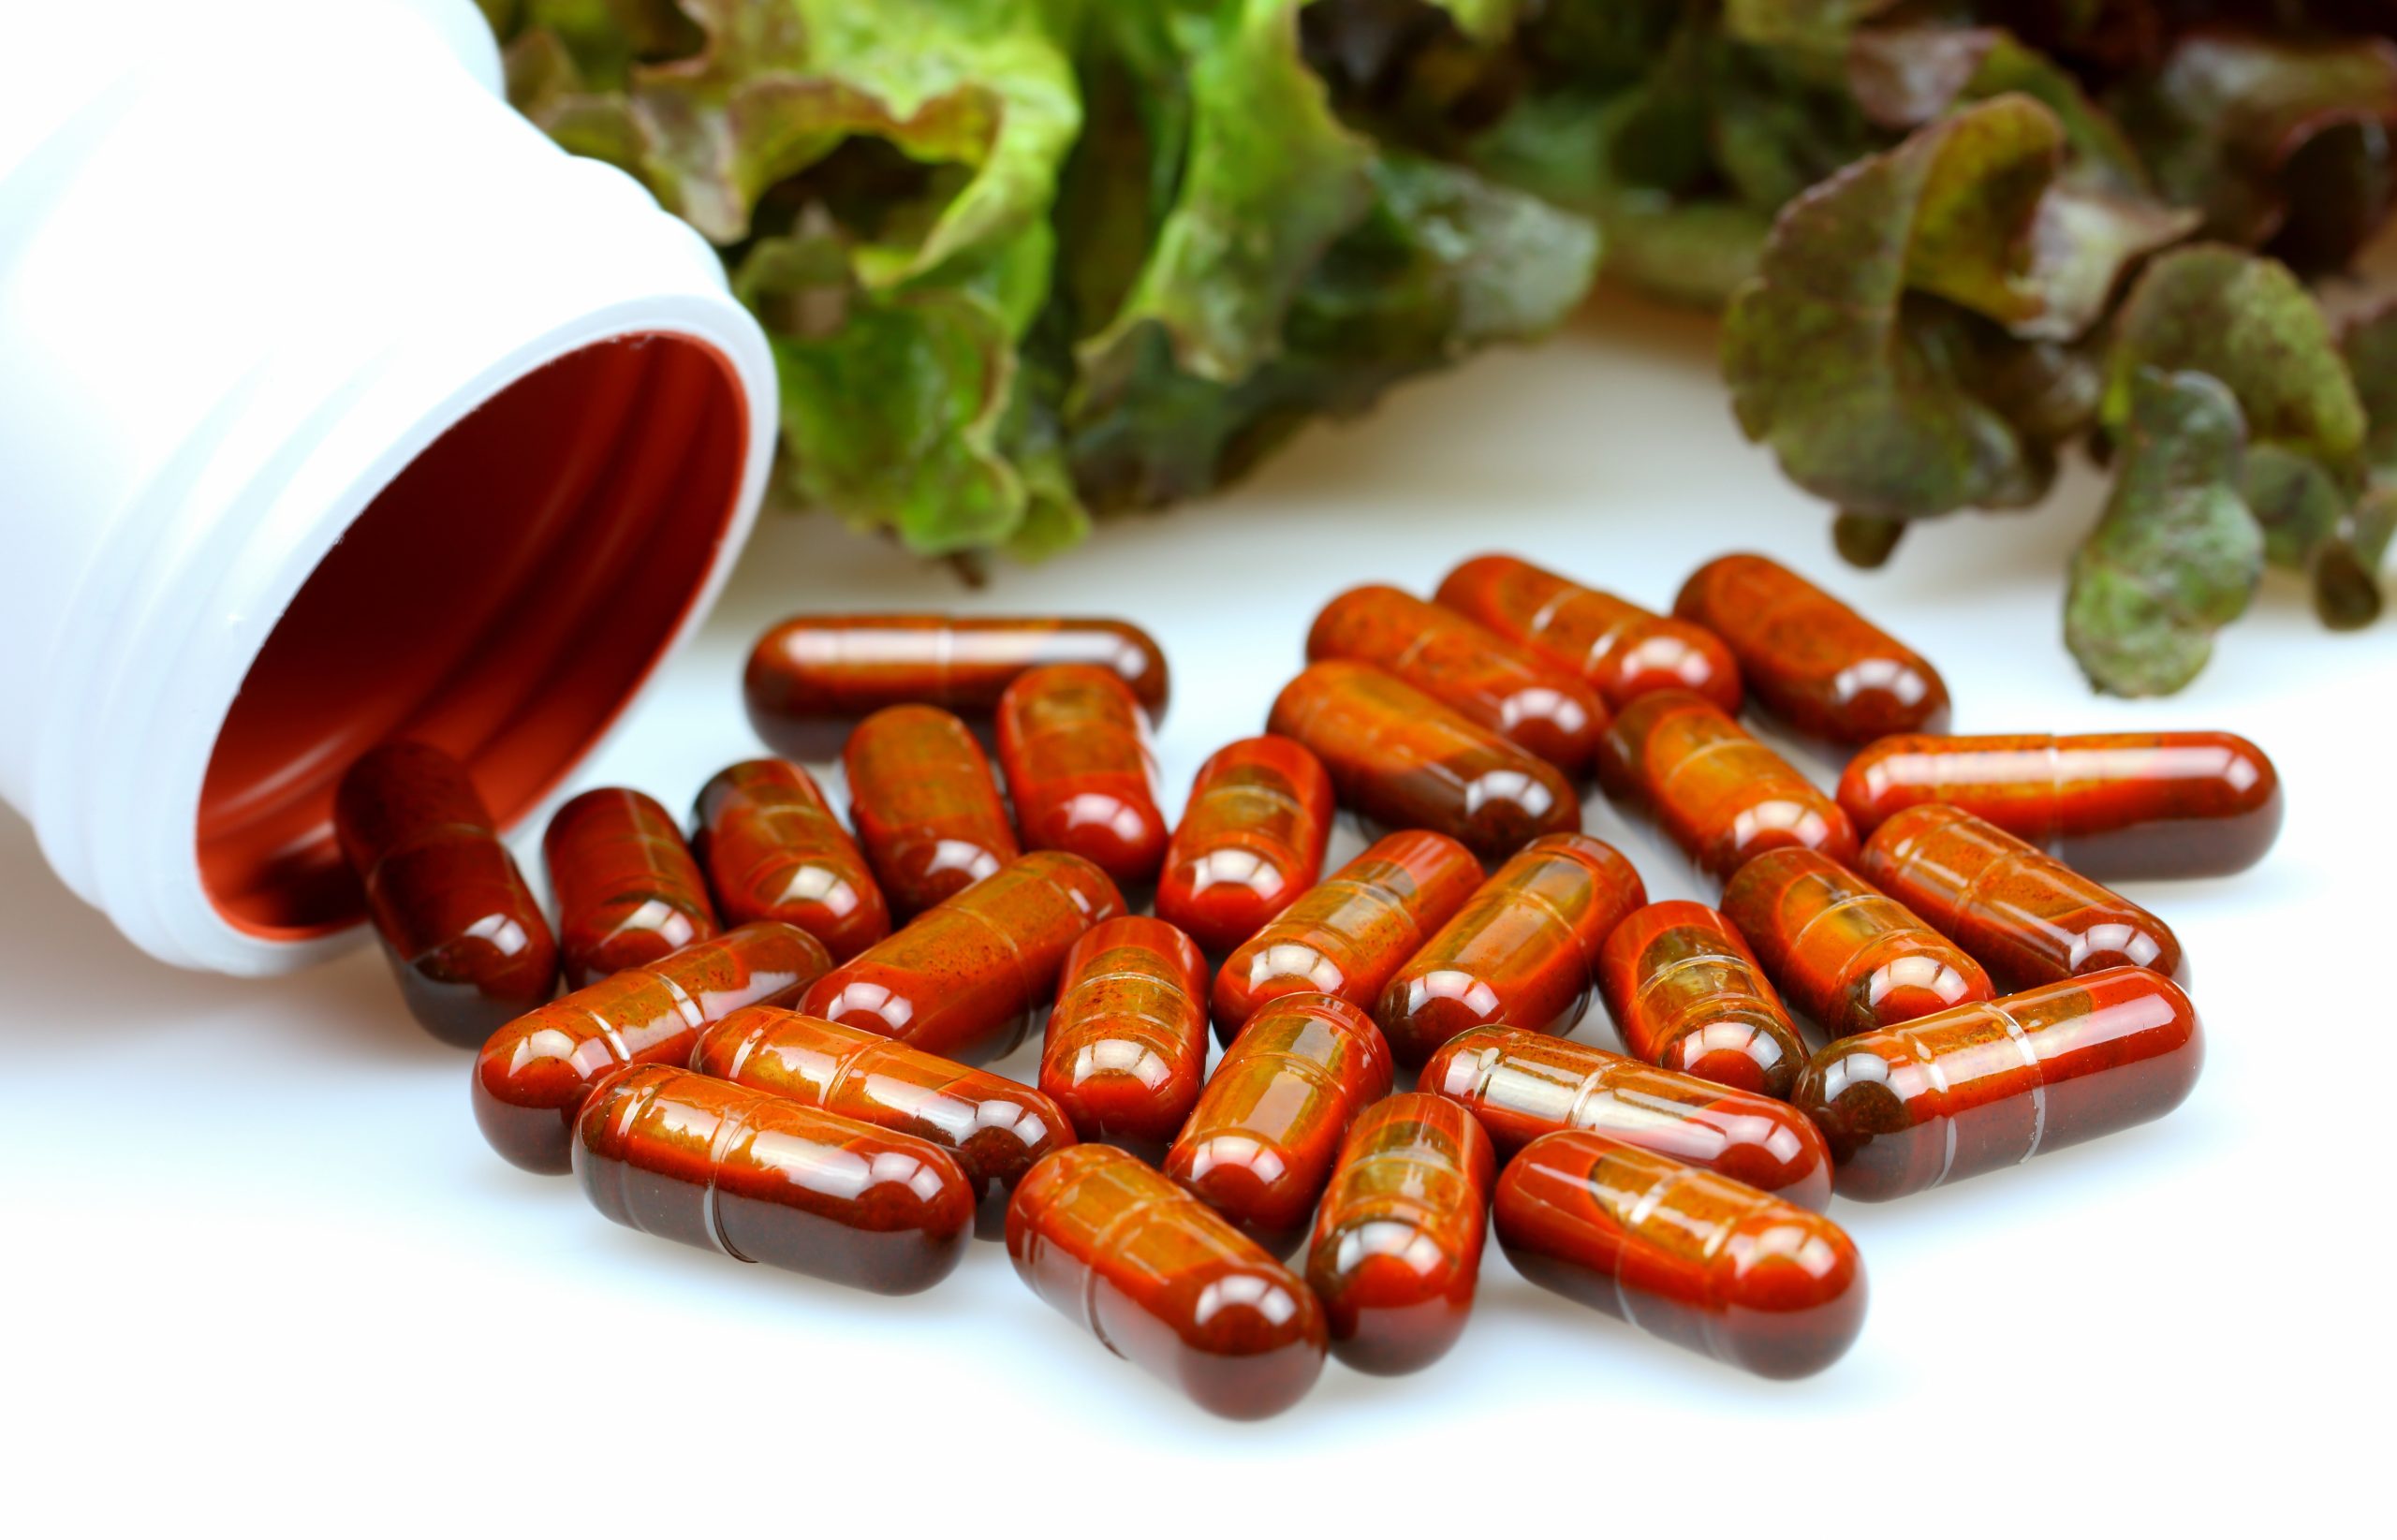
(336, 404)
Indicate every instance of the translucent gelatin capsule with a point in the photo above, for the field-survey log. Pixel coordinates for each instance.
(1718, 793)
(1076, 750)
(1850, 956)
(925, 806)
(772, 850)
(627, 889)
(1620, 650)
(1251, 840)
(1686, 995)
(1126, 1046)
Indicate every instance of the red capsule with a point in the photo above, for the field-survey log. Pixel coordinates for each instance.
(627, 891)
(1522, 951)
(1722, 796)
(1821, 666)
(1486, 678)
(994, 1127)
(533, 1075)
(1259, 1145)
(1620, 650)
(1850, 956)
(1347, 934)
(1703, 1262)
(1406, 761)
(1397, 1245)
(925, 806)
(464, 934)
(1522, 1085)
(966, 976)
(1127, 1047)
(1165, 1282)
(1076, 750)
(761, 1179)
(1251, 840)
(773, 851)
(2114, 806)
(1687, 995)
(1991, 1084)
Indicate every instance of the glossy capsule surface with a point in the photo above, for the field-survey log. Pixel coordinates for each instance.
(1251, 840)
(1522, 951)
(772, 850)
(531, 1075)
(1259, 1145)
(1347, 934)
(1704, 1262)
(1715, 790)
(1522, 1085)
(1126, 1046)
(964, 978)
(1821, 666)
(1406, 761)
(2114, 806)
(2027, 916)
(1165, 1282)
(925, 805)
(1991, 1084)
(763, 1179)
(1076, 750)
(1618, 649)
(1463, 664)
(464, 935)
(627, 888)
(851, 666)
(994, 1127)
(1686, 995)
(1849, 954)
(1397, 1245)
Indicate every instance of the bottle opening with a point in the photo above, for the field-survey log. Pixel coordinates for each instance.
(503, 600)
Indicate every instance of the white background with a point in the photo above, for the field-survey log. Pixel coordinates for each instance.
(262, 1267)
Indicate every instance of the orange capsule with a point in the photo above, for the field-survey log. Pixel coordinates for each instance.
(1718, 793)
(925, 806)
(1397, 1244)
(1686, 995)
(1348, 934)
(1126, 1046)
(1618, 649)
(966, 977)
(1821, 666)
(1251, 840)
(627, 891)
(1850, 956)
(1522, 951)
(532, 1076)
(772, 850)
(1076, 750)
(1406, 761)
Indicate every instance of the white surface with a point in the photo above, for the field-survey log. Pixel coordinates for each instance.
(265, 1268)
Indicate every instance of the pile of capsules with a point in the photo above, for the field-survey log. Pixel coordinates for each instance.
(767, 1045)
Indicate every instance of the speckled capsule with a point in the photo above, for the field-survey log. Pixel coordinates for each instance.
(1347, 934)
(925, 805)
(1406, 761)
(1704, 1262)
(772, 850)
(2113, 806)
(1259, 1145)
(464, 935)
(1618, 649)
(1686, 995)
(1850, 956)
(1522, 951)
(1995, 1082)
(627, 889)
(531, 1075)
(1075, 748)
(1715, 790)
(763, 1179)
(1463, 665)
(995, 1128)
(966, 978)
(1251, 840)
(1521, 1085)
(1126, 1046)
(1822, 667)
(1397, 1245)
(1165, 1282)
